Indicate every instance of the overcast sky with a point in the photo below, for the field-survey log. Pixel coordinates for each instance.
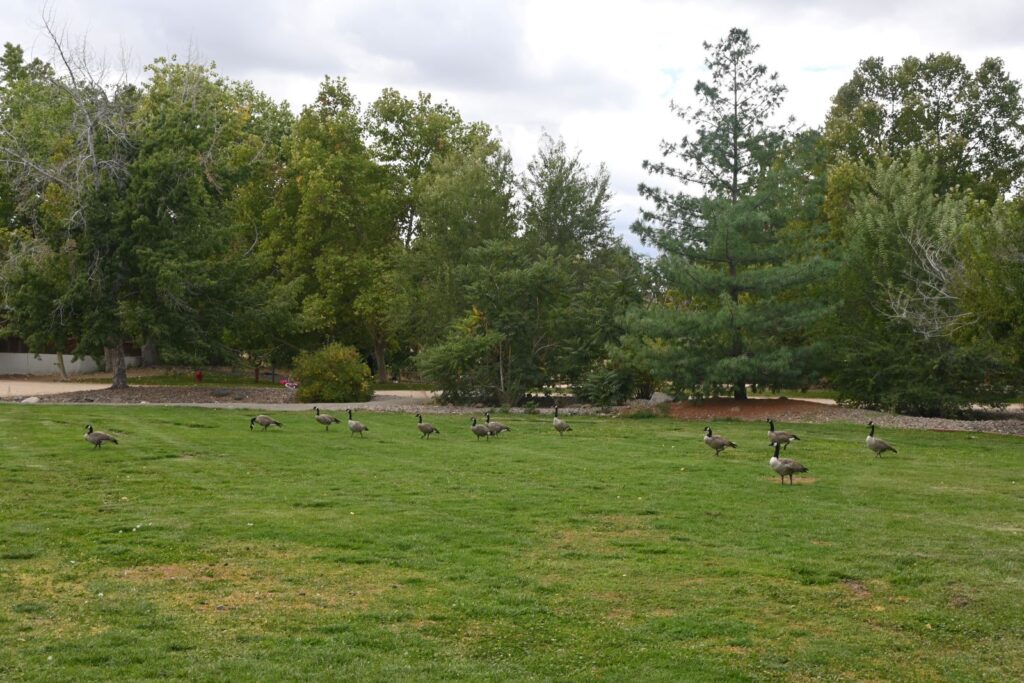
(599, 74)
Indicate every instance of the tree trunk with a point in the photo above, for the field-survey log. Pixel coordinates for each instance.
(739, 389)
(120, 369)
(150, 354)
(380, 356)
(60, 364)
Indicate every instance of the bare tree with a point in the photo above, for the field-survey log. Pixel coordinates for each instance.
(928, 299)
(89, 143)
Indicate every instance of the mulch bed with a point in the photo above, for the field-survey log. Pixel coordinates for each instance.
(779, 409)
(784, 410)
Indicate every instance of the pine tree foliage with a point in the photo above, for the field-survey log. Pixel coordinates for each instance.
(727, 316)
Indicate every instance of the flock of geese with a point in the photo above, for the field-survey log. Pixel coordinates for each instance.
(486, 430)
(779, 439)
(785, 466)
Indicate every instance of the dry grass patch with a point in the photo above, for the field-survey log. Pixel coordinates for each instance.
(278, 582)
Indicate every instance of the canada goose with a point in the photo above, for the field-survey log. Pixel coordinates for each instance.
(265, 421)
(784, 466)
(325, 419)
(718, 443)
(426, 429)
(355, 425)
(479, 430)
(784, 438)
(495, 428)
(877, 445)
(561, 426)
(97, 438)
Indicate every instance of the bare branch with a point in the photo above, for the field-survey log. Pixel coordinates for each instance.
(928, 301)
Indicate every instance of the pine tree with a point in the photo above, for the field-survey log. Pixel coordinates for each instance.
(729, 314)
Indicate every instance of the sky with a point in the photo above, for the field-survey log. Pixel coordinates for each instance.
(599, 74)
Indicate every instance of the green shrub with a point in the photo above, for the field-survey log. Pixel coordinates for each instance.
(902, 373)
(465, 367)
(607, 383)
(334, 373)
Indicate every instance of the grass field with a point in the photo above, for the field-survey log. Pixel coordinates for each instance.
(199, 550)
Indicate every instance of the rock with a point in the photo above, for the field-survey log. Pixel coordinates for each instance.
(659, 397)
(30, 399)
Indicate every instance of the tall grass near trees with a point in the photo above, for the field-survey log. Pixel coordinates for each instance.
(198, 550)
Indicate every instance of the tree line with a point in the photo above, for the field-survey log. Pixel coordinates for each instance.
(882, 254)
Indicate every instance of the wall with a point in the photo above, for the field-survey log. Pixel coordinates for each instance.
(46, 364)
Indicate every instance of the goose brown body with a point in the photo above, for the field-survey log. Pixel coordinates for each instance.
(325, 419)
(495, 428)
(876, 444)
(264, 421)
(783, 438)
(479, 430)
(355, 426)
(97, 439)
(717, 443)
(560, 425)
(426, 429)
(785, 466)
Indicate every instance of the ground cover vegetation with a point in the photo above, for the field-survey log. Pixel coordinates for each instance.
(881, 254)
(196, 549)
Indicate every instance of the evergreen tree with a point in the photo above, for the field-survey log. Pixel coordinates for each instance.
(728, 314)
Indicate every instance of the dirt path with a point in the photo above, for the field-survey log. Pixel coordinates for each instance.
(18, 388)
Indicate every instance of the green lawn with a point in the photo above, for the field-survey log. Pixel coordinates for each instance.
(200, 550)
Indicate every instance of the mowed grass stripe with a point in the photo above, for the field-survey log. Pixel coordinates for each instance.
(623, 549)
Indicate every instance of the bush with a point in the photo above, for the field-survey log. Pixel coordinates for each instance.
(465, 367)
(904, 374)
(334, 373)
(608, 383)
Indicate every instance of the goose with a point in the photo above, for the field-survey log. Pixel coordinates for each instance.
(264, 421)
(561, 426)
(325, 419)
(495, 428)
(784, 438)
(877, 445)
(784, 466)
(718, 443)
(479, 430)
(426, 429)
(97, 438)
(355, 425)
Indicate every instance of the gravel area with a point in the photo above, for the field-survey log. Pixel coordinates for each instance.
(196, 394)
